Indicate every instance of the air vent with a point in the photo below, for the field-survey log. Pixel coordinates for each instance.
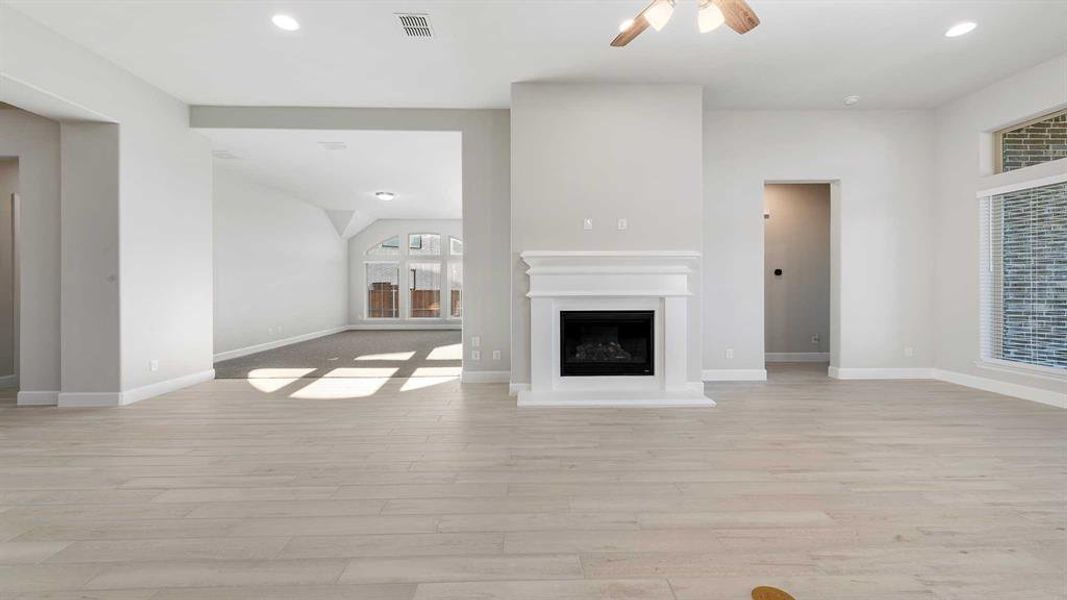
(415, 25)
(333, 145)
(224, 155)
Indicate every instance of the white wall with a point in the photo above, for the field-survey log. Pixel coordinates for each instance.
(164, 242)
(963, 140)
(882, 209)
(35, 141)
(797, 240)
(9, 184)
(486, 189)
(603, 152)
(280, 266)
(377, 232)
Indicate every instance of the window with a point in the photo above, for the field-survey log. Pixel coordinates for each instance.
(455, 246)
(425, 289)
(388, 247)
(455, 286)
(383, 293)
(424, 244)
(1032, 143)
(1024, 277)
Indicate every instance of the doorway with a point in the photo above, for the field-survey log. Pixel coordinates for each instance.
(797, 277)
(9, 187)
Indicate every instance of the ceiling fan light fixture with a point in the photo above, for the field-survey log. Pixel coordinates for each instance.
(709, 17)
(285, 22)
(384, 196)
(658, 13)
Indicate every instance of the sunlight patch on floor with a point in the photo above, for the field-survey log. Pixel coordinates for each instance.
(424, 377)
(340, 388)
(357, 372)
(449, 352)
(271, 380)
(388, 356)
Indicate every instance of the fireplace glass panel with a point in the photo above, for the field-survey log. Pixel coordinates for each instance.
(606, 342)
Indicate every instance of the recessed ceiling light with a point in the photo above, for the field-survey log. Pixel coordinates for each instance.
(852, 100)
(628, 23)
(285, 22)
(384, 196)
(961, 29)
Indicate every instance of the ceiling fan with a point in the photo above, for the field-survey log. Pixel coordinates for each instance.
(713, 13)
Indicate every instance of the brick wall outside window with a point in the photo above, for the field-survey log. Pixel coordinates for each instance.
(1033, 144)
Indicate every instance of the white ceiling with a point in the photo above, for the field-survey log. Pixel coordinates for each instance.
(422, 168)
(806, 54)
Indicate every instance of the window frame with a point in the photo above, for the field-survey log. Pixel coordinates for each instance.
(998, 139)
(403, 260)
(986, 264)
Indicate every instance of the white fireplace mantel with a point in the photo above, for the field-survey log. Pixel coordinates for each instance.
(659, 281)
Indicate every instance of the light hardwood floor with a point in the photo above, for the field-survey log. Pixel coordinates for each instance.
(832, 490)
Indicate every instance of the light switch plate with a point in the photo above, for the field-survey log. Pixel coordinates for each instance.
(623, 224)
(476, 355)
(587, 224)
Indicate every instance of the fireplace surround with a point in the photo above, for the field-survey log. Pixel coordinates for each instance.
(639, 356)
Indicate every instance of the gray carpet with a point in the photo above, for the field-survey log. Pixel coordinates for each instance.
(345, 349)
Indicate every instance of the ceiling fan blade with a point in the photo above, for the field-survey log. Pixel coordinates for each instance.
(637, 28)
(769, 593)
(739, 15)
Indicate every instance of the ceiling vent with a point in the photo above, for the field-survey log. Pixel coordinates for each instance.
(415, 25)
(224, 155)
(333, 145)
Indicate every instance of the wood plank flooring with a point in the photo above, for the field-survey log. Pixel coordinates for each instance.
(827, 489)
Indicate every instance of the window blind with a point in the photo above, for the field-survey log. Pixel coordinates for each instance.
(1024, 277)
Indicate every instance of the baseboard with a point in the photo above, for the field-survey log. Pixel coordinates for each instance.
(163, 387)
(1001, 387)
(256, 348)
(485, 376)
(112, 399)
(887, 373)
(404, 326)
(777, 357)
(515, 388)
(89, 399)
(734, 374)
(37, 399)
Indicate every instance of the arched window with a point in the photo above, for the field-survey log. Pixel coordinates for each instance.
(432, 272)
(387, 247)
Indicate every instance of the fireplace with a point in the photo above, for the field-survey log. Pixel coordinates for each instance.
(606, 343)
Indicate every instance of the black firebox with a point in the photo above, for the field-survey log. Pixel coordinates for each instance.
(606, 342)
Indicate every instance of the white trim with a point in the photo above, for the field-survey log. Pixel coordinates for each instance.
(253, 349)
(89, 399)
(112, 399)
(37, 399)
(1002, 387)
(397, 325)
(884, 373)
(515, 388)
(784, 357)
(610, 253)
(616, 398)
(734, 374)
(1022, 179)
(7, 381)
(1038, 371)
(485, 376)
(163, 387)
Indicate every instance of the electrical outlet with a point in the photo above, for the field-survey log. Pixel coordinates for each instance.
(476, 341)
(153, 365)
(815, 339)
(729, 353)
(496, 354)
(623, 224)
(909, 351)
(587, 224)
(476, 355)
